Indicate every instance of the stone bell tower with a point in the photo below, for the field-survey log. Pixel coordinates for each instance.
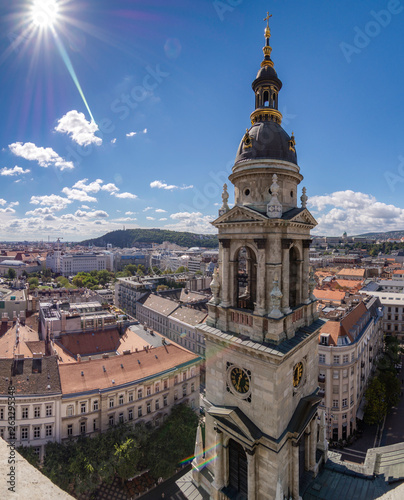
(262, 329)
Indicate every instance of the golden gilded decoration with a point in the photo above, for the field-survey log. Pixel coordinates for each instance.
(240, 380)
(267, 19)
(297, 374)
(247, 139)
(292, 143)
(266, 114)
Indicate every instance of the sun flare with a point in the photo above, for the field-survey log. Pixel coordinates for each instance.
(44, 13)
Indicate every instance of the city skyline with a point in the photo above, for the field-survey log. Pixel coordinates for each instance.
(118, 115)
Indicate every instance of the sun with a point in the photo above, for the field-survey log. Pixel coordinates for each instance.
(44, 13)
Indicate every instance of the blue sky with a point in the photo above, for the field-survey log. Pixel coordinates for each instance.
(168, 85)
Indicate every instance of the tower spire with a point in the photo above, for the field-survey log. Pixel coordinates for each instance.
(267, 49)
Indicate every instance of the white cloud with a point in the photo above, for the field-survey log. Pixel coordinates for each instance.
(80, 130)
(54, 201)
(163, 218)
(113, 141)
(44, 156)
(147, 209)
(131, 134)
(144, 131)
(86, 207)
(95, 213)
(14, 203)
(78, 194)
(125, 195)
(7, 210)
(2, 201)
(93, 187)
(40, 211)
(129, 213)
(14, 171)
(354, 212)
(150, 218)
(110, 187)
(164, 185)
(194, 222)
(160, 211)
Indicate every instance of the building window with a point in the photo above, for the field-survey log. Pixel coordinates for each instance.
(165, 402)
(165, 384)
(37, 432)
(24, 432)
(37, 451)
(130, 414)
(192, 387)
(336, 360)
(111, 403)
(82, 427)
(148, 408)
(70, 430)
(345, 373)
(175, 395)
(121, 399)
(111, 420)
(345, 358)
(157, 404)
(157, 388)
(37, 412)
(184, 377)
(82, 407)
(121, 418)
(1, 413)
(184, 391)
(140, 394)
(344, 402)
(69, 410)
(48, 410)
(321, 358)
(95, 405)
(139, 411)
(130, 397)
(176, 379)
(48, 430)
(335, 374)
(352, 356)
(148, 391)
(95, 424)
(335, 403)
(351, 400)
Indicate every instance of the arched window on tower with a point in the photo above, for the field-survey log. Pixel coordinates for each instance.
(245, 279)
(266, 98)
(294, 278)
(238, 470)
(274, 100)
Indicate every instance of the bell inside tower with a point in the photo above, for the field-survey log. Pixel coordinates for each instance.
(246, 279)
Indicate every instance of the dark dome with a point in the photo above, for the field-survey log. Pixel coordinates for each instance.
(268, 141)
(266, 74)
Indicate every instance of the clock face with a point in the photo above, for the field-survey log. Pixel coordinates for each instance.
(297, 374)
(240, 380)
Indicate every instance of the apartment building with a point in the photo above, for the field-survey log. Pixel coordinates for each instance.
(154, 311)
(30, 396)
(348, 351)
(136, 387)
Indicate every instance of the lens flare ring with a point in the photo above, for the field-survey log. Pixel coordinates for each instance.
(44, 13)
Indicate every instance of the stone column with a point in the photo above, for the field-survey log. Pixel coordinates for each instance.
(218, 482)
(313, 443)
(261, 275)
(224, 272)
(251, 474)
(295, 468)
(285, 275)
(305, 270)
(307, 441)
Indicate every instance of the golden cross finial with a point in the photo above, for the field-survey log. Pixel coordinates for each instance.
(267, 19)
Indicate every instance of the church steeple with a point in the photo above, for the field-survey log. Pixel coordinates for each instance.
(266, 86)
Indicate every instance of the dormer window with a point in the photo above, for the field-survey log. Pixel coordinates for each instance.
(324, 338)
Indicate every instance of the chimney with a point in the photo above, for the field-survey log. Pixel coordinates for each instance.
(78, 358)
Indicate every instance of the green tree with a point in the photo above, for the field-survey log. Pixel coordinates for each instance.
(33, 283)
(182, 269)
(63, 282)
(104, 277)
(127, 457)
(141, 270)
(11, 274)
(376, 402)
(130, 269)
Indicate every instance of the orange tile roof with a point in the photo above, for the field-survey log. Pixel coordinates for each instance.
(399, 271)
(352, 272)
(328, 295)
(342, 328)
(89, 342)
(121, 369)
(349, 283)
(7, 341)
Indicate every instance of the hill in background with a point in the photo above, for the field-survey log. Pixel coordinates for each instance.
(130, 237)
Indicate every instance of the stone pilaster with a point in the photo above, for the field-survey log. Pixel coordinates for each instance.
(313, 443)
(261, 275)
(305, 271)
(285, 275)
(218, 482)
(224, 272)
(295, 469)
(251, 475)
